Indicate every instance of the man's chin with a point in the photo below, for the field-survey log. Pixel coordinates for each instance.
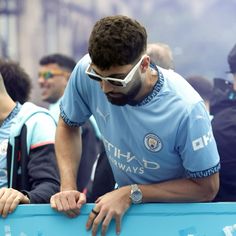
(117, 102)
(44, 98)
(47, 99)
(122, 102)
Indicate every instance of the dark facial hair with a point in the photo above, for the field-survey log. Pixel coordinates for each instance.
(121, 99)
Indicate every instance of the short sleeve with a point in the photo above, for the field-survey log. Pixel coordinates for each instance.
(196, 143)
(42, 127)
(74, 104)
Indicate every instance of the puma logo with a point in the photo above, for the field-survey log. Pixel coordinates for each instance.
(104, 117)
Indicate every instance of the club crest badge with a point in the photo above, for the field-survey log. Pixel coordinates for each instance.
(152, 142)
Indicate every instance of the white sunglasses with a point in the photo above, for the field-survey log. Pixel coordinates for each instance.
(114, 81)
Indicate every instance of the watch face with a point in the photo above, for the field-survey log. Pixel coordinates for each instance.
(136, 196)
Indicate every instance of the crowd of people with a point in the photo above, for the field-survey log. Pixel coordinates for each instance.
(123, 127)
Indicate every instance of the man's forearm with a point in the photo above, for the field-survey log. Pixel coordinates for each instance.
(182, 190)
(68, 152)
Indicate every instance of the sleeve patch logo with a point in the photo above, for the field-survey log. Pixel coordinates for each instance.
(202, 142)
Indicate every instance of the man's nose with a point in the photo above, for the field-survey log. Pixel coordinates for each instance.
(106, 86)
(41, 79)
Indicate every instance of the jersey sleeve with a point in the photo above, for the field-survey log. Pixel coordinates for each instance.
(196, 144)
(74, 104)
(42, 127)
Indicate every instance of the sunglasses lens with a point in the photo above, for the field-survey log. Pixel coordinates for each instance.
(94, 77)
(48, 75)
(115, 83)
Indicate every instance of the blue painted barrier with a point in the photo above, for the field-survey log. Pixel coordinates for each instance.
(191, 219)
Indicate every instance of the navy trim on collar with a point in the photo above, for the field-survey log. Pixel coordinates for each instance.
(156, 89)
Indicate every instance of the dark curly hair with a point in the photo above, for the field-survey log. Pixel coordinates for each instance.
(116, 41)
(16, 80)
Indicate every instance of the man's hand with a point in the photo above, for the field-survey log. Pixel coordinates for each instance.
(69, 202)
(10, 199)
(111, 205)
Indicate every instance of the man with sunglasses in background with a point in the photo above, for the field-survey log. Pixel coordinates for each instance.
(155, 128)
(53, 76)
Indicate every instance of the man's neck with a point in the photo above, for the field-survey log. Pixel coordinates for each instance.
(6, 107)
(150, 81)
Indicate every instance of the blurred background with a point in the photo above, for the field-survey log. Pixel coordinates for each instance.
(200, 33)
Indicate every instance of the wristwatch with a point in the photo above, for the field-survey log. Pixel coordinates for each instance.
(136, 195)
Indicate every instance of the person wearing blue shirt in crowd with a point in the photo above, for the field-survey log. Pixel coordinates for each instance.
(28, 169)
(155, 128)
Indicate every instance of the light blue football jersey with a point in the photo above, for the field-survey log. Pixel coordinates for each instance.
(166, 136)
(5, 130)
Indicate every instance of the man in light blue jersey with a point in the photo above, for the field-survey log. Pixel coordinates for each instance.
(155, 128)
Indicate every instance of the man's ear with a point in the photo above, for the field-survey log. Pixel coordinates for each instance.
(145, 64)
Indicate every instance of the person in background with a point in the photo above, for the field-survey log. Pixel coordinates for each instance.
(54, 72)
(224, 129)
(28, 170)
(203, 86)
(161, 55)
(155, 128)
(224, 91)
